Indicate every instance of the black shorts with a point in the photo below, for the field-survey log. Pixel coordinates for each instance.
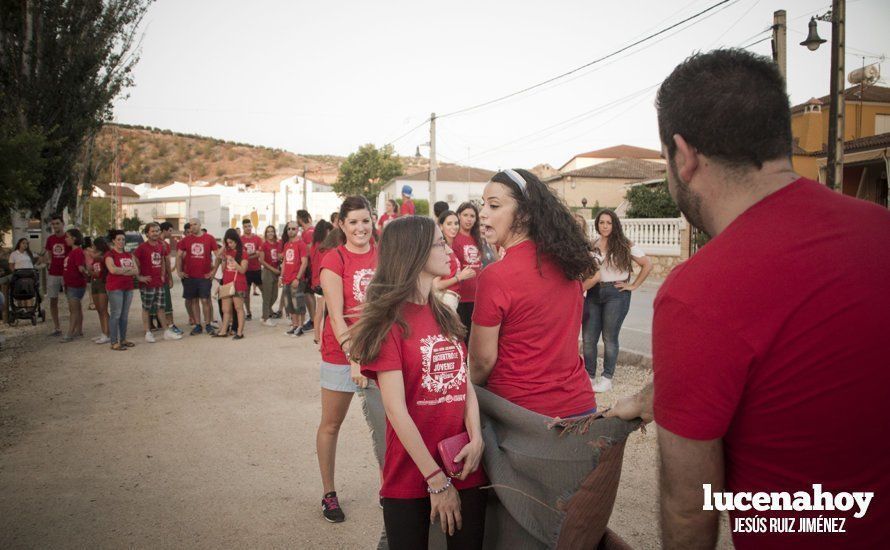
(195, 288)
(254, 277)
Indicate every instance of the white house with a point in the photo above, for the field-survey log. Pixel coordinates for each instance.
(220, 207)
(454, 185)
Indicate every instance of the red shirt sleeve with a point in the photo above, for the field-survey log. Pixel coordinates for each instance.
(333, 262)
(700, 371)
(492, 302)
(211, 241)
(181, 244)
(390, 356)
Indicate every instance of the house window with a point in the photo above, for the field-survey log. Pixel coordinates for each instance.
(882, 124)
(224, 216)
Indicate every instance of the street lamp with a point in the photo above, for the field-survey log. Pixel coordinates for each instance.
(836, 15)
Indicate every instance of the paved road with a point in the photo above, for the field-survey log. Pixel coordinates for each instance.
(636, 332)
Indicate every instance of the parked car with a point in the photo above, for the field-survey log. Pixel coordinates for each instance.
(133, 240)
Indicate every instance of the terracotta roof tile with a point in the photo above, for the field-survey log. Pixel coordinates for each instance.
(622, 168)
(875, 94)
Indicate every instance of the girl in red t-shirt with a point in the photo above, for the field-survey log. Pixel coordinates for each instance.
(75, 276)
(412, 344)
(392, 212)
(268, 258)
(122, 269)
(528, 305)
(234, 262)
(449, 286)
(95, 255)
(467, 246)
(345, 274)
(321, 244)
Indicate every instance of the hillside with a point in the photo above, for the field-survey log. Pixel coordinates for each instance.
(152, 155)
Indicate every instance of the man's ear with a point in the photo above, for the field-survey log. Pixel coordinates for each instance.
(686, 158)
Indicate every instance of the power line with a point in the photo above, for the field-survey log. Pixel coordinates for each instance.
(595, 61)
(390, 142)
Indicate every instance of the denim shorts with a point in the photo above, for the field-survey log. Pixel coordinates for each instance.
(337, 378)
(75, 293)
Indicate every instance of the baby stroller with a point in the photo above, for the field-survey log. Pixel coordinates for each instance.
(24, 296)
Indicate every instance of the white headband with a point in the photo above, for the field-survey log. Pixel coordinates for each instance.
(517, 179)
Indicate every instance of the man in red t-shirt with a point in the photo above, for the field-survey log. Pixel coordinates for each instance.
(252, 244)
(307, 232)
(770, 350)
(153, 274)
(407, 206)
(194, 260)
(55, 251)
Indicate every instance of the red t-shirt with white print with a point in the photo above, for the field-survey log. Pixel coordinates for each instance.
(469, 254)
(270, 253)
(291, 256)
(434, 369)
(230, 272)
(198, 258)
(58, 249)
(356, 270)
(120, 282)
(252, 244)
(72, 275)
(151, 263)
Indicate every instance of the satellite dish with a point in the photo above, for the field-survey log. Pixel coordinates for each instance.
(865, 75)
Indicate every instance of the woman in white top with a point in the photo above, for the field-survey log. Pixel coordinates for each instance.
(608, 294)
(21, 257)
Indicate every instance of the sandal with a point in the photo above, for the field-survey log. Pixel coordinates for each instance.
(118, 347)
(238, 337)
(220, 334)
(127, 343)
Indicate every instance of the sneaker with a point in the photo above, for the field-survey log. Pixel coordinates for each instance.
(169, 334)
(269, 323)
(208, 328)
(330, 508)
(104, 339)
(55, 333)
(604, 385)
(248, 317)
(197, 330)
(150, 338)
(308, 326)
(65, 339)
(276, 315)
(291, 331)
(299, 332)
(176, 329)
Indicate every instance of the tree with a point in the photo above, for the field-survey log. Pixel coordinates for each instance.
(62, 66)
(21, 167)
(651, 202)
(366, 171)
(131, 224)
(98, 215)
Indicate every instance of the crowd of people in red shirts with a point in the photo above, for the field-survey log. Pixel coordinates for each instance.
(759, 373)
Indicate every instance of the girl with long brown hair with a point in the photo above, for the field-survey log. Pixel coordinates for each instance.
(412, 344)
(233, 258)
(608, 294)
(346, 271)
(468, 248)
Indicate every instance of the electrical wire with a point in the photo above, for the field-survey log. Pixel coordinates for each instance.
(595, 61)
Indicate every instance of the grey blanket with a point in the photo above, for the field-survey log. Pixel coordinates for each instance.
(549, 489)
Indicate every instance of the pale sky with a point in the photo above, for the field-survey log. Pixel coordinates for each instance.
(327, 77)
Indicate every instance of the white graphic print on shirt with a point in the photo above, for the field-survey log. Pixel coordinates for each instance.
(360, 281)
(444, 368)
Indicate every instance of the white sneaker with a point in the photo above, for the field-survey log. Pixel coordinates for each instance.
(270, 322)
(604, 385)
(170, 335)
(104, 339)
(150, 338)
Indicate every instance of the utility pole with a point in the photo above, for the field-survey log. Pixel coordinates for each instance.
(432, 161)
(305, 202)
(286, 204)
(836, 107)
(780, 31)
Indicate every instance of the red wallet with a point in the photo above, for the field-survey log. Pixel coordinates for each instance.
(449, 448)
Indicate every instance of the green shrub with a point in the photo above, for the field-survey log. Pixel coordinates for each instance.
(651, 201)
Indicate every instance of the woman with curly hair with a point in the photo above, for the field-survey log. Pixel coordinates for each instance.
(524, 343)
(608, 295)
(233, 258)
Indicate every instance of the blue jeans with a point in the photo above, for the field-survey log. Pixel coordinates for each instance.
(605, 308)
(119, 311)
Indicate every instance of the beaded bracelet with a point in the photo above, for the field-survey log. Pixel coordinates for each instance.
(432, 475)
(444, 488)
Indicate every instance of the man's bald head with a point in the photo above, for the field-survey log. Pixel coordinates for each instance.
(195, 226)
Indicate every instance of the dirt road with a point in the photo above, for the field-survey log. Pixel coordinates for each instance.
(201, 443)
